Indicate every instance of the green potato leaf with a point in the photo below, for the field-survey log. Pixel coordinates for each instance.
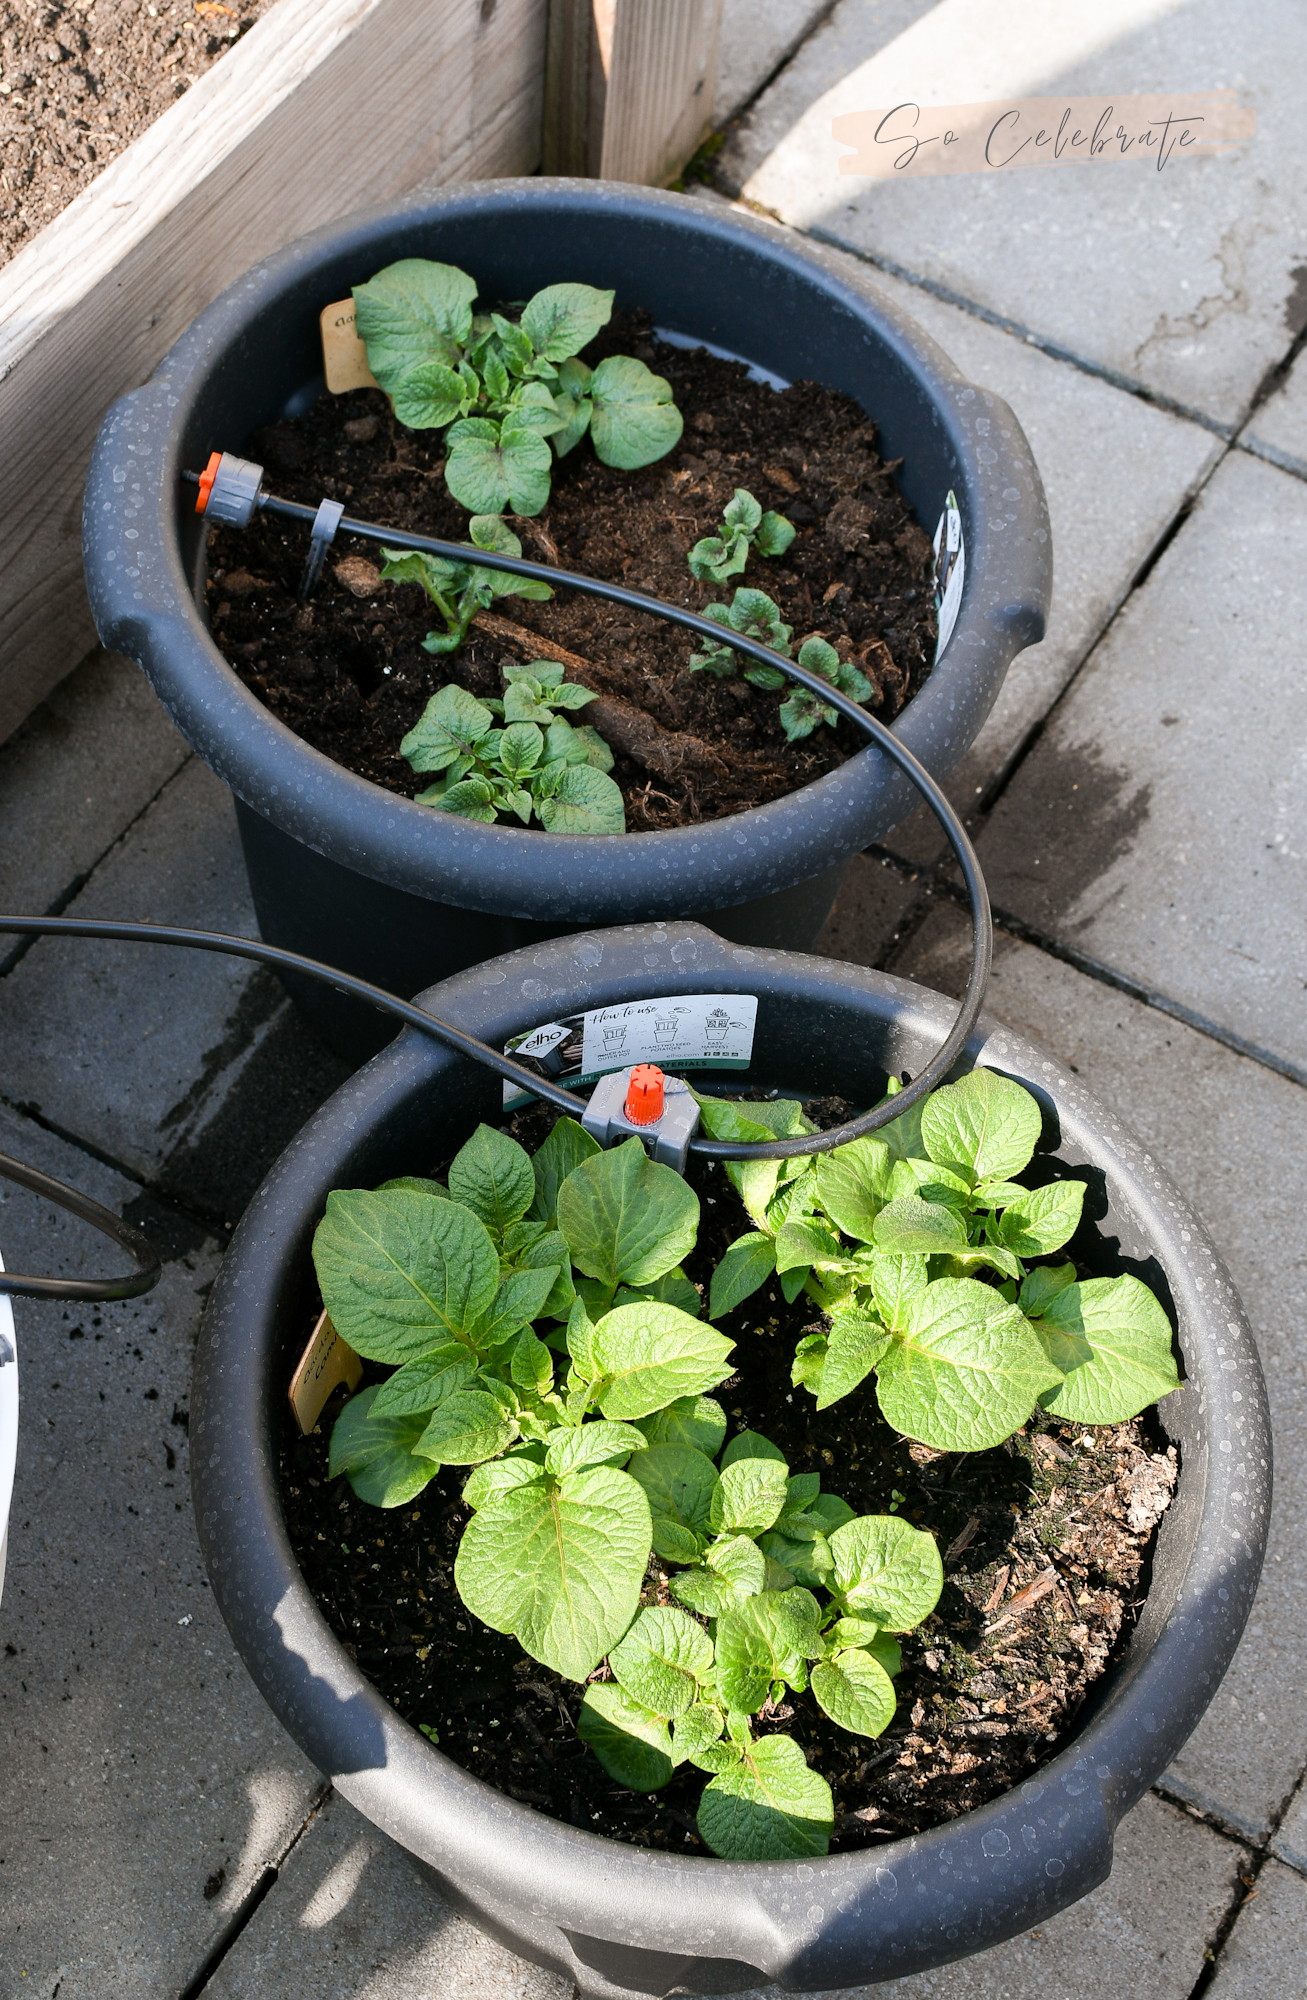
(1043, 1284)
(417, 1387)
(520, 1299)
(934, 1184)
(467, 1427)
(650, 1355)
(631, 1743)
(912, 1227)
(767, 1807)
(626, 1219)
(559, 1565)
(696, 1739)
(774, 536)
(498, 1475)
(673, 1543)
(401, 1274)
(562, 319)
(662, 1660)
(770, 1637)
(584, 801)
(680, 1482)
(1111, 1341)
(566, 1146)
(531, 1365)
(985, 1127)
(887, 1570)
(965, 1371)
(672, 1289)
(854, 1346)
(801, 1242)
(855, 1692)
(853, 1185)
(376, 1453)
(492, 1176)
(412, 312)
(429, 396)
(694, 1420)
(748, 1496)
(489, 468)
(1041, 1220)
(896, 1279)
(450, 726)
(414, 1184)
(592, 1444)
(748, 1263)
(634, 419)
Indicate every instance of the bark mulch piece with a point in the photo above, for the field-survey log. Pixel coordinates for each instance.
(79, 82)
(1047, 1544)
(348, 672)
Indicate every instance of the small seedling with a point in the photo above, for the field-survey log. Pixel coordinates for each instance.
(459, 590)
(744, 526)
(756, 616)
(517, 755)
(510, 394)
(917, 1242)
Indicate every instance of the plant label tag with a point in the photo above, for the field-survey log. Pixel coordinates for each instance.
(344, 356)
(688, 1031)
(325, 1363)
(950, 571)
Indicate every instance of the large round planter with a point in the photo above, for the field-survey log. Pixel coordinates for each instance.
(616, 1918)
(348, 872)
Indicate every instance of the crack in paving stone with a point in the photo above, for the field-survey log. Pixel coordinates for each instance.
(246, 1908)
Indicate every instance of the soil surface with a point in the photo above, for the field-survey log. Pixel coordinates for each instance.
(348, 672)
(1046, 1541)
(80, 81)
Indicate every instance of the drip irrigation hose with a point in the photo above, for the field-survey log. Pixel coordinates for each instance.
(86, 1291)
(90, 1290)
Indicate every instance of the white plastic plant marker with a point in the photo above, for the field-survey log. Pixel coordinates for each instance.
(8, 1421)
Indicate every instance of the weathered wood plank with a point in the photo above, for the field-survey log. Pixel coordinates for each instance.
(325, 107)
(629, 86)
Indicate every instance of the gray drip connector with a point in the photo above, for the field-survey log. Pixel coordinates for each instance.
(234, 491)
(666, 1139)
(325, 523)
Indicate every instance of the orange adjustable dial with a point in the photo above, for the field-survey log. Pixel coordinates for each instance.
(644, 1096)
(207, 477)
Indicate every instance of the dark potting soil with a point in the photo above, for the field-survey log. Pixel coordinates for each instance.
(348, 673)
(1046, 1540)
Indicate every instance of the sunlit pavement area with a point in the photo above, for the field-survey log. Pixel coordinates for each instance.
(1137, 800)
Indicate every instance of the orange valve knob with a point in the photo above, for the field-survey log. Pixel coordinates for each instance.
(644, 1096)
(207, 477)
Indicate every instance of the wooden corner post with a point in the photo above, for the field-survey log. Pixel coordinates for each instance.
(629, 87)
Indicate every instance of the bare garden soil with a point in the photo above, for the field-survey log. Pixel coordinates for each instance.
(80, 79)
(1047, 1545)
(348, 673)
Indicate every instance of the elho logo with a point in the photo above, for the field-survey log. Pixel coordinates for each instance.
(919, 139)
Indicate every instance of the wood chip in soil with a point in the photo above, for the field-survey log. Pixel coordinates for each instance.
(348, 672)
(1047, 1544)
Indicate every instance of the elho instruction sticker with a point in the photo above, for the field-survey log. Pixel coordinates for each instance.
(684, 1031)
(950, 571)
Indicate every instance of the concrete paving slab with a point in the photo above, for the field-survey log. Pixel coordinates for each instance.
(872, 913)
(147, 1788)
(1266, 1952)
(755, 41)
(349, 1917)
(1230, 1131)
(1278, 430)
(1290, 1840)
(128, 1045)
(1159, 823)
(1186, 281)
(1116, 470)
(73, 778)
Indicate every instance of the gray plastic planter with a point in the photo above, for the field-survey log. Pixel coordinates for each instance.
(347, 872)
(616, 1918)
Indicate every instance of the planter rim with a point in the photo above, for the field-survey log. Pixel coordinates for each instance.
(143, 604)
(923, 1900)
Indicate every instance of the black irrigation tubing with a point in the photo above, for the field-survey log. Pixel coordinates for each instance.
(982, 942)
(86, 1291)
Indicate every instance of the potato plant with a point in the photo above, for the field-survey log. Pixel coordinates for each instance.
(757, 616)
(744, 527)
(509, 393)
(543, 1333)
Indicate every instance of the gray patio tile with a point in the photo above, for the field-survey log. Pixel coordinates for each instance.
(126, 1045)
(1266, 1952)
(1105, 519)
(73, 779)
(1158, 823)
(1230, 1131)
(350, 1918)
(1144, 1931)
(1290, 1840)
(754, 40)
(147, 1787)
(1160, 277)
(1279, 428)
(872, 911)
